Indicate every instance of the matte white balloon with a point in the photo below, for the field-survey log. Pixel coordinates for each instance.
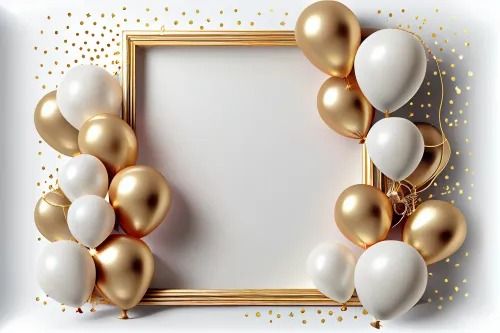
(88, 90)
(91, 220)
(83, 175)
(66, 272)
(390, 278)
(331, 268)
(390, 66)
(396, 146)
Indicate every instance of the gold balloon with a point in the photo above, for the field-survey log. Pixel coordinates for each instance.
(363, 214)
(53, 128)
(141, 198)
(329, 35)
(124, 269)
(50, 216)
(344, 108)
(436, 229)
(434, 159)
(111, 140)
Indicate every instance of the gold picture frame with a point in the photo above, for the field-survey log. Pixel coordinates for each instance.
(132, 40)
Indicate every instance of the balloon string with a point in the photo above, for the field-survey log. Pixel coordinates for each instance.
(440, 109)
(443, 134)
(347, 83)
(396, 193)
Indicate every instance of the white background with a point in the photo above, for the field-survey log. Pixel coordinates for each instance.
(475, 138)
(254, 171)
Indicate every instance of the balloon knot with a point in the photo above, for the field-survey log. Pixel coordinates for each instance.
(376, 324)
(123, 314)
(362, 140)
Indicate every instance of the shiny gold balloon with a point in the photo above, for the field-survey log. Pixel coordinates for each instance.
(434, 159)
(124, 269)
(363, 214)
(436, 229)
(53, 128)
(111, 140)
(344, 108)
(141, 198)
(329, 35)
(50, 216)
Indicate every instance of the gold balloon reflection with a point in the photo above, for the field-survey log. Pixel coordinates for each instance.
(53, 128)
(436, 229)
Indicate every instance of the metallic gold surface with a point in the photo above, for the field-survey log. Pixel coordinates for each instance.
(131, 42)
(53, 128)
(436, 229)
(436, 155)
(363, 214)
(111, 140)
(367, 176)
(221, 297)
(343, 107)
(124, 267)
(329, 34)
(50, 216)
(141, 198)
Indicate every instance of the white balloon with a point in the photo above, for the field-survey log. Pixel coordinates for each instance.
(396, 146)
(91, 220)
(66, 272)
(390, 278)
(88, 90)
(390, 66)
(331, 268)
(83, 175)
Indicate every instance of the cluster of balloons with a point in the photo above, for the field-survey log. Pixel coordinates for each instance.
(389, 67)
(99, 186)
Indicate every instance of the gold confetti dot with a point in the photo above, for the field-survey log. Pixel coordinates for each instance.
(257, 314)
(339, 318)
(304, 321)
